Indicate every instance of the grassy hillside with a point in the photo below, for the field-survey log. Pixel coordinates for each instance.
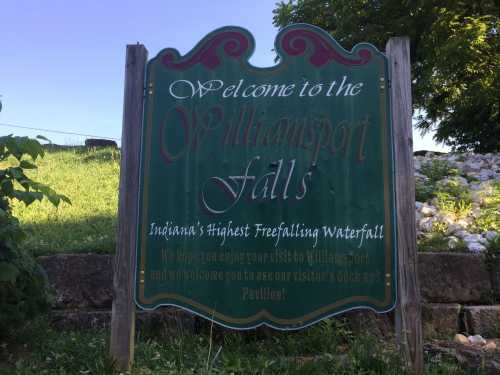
(89, 178)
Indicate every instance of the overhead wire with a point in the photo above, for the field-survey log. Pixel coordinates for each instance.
(57, 131)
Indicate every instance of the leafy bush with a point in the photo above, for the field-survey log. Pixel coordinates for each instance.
(23, 290)
(437, 170)
(433, 242)
(493, 249)
(423, 191)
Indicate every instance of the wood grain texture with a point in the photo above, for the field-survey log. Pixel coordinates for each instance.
(408, 311)
(123, 311)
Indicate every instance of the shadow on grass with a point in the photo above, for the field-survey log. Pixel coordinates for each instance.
(95, 234)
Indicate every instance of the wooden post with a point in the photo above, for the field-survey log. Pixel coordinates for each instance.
(123, 313)
(408, 311)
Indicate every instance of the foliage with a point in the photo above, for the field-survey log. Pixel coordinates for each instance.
(437, 169)
(23, 291)
(423, 191)
(493, 249)
(433, 242)
(451, 197)
(456, 206)
(90, 177)
(455, 53)
(330, 347)
(434, 171)
(489, 218)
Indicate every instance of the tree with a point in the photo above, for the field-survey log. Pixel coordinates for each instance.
(455, 52)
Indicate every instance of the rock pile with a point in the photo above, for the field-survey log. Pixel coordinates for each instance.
(458, 199)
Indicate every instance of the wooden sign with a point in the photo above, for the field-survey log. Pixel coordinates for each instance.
(267, 194)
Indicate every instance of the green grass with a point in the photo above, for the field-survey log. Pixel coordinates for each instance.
(326, 348)
(89, 178)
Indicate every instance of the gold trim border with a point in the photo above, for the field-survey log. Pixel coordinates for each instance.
(264, 314)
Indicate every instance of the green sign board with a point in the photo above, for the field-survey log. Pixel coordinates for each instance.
(266, 194)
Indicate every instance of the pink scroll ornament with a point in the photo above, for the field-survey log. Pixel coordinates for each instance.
(235, 45)
(295, 43)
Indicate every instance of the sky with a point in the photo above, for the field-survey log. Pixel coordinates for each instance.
(62, 62)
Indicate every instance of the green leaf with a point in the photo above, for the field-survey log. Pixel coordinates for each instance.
(27, 197)
(8, 272)
(25, 164)
(17, 173)
(13, 148)
(50, 194)
(65, 199)
(54, 199)
(7, 187)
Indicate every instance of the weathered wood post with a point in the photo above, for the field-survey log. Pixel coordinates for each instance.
(123, 313)
(408, 311)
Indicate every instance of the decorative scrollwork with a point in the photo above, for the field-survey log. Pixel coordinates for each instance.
(296, 42)
(235, 45)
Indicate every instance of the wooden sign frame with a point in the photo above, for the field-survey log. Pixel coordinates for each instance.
(408, 322)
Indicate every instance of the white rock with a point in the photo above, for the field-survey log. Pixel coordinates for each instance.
(491, 345)
(471, 166)
(476, 197)
(464, 223)
(477, 340)
(461, 233)
(486, 187)
(491, 234)
(452, 228)
(486, 174)
(445, 218)
(417, 164)
(453, 242)
(472, 238)
(457, 164)
(475, 185)
(427, 210)
(476, 210)
(475, 247)
(481, 171)
(426, 224)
